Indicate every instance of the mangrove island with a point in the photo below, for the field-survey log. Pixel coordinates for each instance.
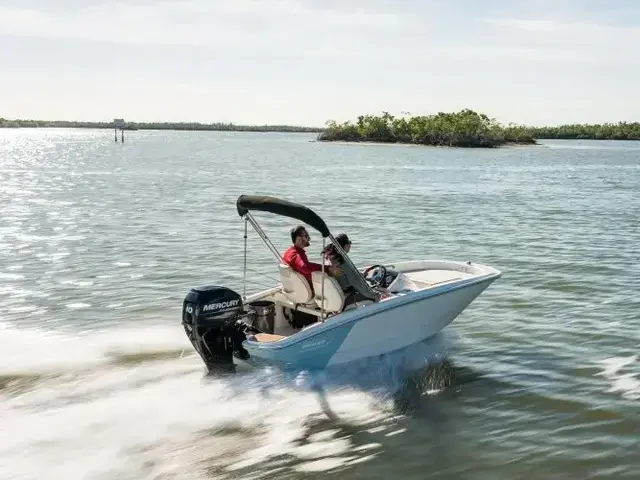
(465, 128)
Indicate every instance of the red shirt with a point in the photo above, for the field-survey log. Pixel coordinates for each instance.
(297, 259)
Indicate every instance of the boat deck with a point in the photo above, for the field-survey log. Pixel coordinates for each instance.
(428, 278)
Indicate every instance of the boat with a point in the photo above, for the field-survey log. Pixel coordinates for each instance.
(295, 325)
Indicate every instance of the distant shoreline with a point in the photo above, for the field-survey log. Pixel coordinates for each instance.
(175, 126)
(465, 128)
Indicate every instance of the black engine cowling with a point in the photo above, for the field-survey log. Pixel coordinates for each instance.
(212, 317)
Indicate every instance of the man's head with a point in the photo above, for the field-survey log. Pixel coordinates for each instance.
(299, 236)
(344, 242)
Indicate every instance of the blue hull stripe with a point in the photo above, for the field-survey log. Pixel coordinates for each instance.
(310, 353)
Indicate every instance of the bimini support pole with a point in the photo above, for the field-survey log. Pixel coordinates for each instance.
(244, 270)
(324, 243)
(263, 236)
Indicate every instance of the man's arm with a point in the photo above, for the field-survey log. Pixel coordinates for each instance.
(306, 267)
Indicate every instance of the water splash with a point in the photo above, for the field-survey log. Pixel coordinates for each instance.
(127, 405)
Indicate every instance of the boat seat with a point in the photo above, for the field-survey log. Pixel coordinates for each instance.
(334, 297)
(294, 285)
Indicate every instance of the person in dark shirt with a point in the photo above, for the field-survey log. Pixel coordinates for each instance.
(351, 286)
(296, 257)
(336, 260)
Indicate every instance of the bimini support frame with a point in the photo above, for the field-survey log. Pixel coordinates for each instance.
(324, 243)
(244, 269)
(263, 236)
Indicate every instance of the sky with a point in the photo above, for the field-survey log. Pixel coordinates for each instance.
(303, 62)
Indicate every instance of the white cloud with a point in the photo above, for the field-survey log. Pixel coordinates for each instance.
(237, 23)
(579, 43)
(259, 28)
(582, 34)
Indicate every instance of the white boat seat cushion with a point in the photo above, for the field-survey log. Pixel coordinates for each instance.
(333, 295)
(294, 285)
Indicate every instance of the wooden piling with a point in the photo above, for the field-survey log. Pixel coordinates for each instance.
(119, 124)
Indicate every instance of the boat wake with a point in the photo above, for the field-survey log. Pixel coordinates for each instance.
(134, 402)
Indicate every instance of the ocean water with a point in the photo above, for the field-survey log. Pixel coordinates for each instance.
(100, 241)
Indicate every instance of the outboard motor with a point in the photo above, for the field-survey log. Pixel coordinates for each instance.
(212, 317)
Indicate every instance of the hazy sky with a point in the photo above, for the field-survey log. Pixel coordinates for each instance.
(307, 61)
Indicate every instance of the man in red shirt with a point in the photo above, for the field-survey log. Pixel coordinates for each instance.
(296, 257)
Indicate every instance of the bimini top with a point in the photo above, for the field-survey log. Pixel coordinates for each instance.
(264, 203)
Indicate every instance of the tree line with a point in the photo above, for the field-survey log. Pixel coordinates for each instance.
(192, 126)
(605, 131)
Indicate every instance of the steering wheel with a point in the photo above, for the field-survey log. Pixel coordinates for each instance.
(378, 277)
